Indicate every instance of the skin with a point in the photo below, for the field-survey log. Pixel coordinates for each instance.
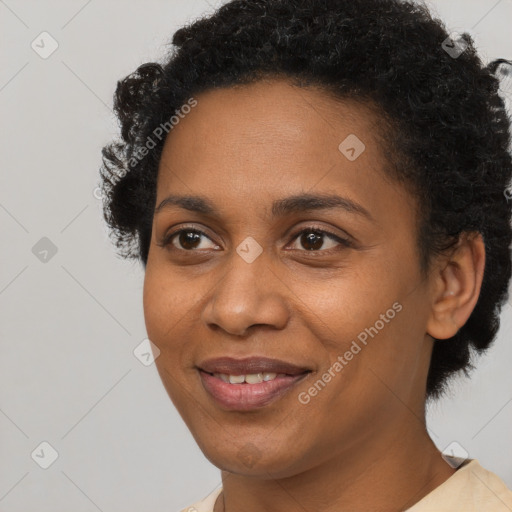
(243, 148)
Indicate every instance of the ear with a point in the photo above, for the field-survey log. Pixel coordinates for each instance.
(456, 286)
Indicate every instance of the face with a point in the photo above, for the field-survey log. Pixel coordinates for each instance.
(297, 266)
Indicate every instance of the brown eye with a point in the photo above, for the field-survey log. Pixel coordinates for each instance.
(189, 239)
(185, 240)
(313, 239)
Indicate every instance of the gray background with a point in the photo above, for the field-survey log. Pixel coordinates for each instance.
(69, 325)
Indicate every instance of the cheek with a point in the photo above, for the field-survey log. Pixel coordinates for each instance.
(165, 302)
(154, 297)
(342, 307)
(165, 313)
(369, 318)
(374, 362)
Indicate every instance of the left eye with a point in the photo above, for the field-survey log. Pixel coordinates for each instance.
(312, 239)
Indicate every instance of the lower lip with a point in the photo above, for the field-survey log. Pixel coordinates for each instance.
(244, 397)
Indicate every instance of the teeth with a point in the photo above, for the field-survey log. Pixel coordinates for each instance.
(253, 378)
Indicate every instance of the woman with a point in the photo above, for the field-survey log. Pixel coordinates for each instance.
(318, 193)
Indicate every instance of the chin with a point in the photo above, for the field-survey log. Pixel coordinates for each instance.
(253, 460)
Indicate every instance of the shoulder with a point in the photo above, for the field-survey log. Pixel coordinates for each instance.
(471, 488)
(206, 504)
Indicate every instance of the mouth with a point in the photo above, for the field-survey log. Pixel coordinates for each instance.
(250, 383)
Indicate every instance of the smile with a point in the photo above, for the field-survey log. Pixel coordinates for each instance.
(237, 392)
(246, 384)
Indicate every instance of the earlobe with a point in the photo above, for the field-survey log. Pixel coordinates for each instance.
(456, 286)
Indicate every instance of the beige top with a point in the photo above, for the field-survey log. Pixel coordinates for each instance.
(470, 489)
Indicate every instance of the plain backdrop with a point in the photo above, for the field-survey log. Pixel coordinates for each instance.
(71, 310)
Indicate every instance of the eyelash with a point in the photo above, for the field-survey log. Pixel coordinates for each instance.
(167, 241)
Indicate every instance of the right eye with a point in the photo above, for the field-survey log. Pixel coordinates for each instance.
(187, 239)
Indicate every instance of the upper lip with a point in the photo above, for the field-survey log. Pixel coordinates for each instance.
(249, 365)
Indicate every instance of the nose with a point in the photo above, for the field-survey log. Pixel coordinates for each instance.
(247, 294)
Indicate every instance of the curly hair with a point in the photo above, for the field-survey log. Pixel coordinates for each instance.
(449, 137)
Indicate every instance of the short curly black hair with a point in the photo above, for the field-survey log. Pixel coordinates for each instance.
(449, 141)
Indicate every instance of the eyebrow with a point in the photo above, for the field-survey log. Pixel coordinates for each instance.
(280, 208)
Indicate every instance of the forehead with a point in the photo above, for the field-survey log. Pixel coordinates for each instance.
(271, 131)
